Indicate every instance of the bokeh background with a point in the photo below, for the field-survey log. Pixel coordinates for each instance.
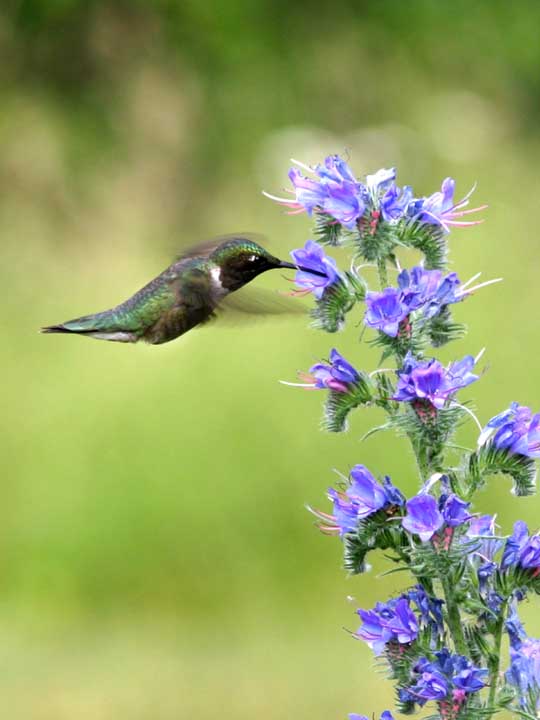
(156, 559)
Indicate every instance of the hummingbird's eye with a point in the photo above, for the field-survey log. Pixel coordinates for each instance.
(252, 258)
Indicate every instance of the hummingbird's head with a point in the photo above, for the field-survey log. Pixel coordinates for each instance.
(240, 260)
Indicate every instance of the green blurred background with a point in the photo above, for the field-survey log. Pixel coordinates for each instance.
(156, 560)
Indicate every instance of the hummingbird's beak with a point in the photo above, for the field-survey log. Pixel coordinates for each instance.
(284, 264)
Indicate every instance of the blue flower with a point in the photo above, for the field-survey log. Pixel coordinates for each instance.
(454, 510)
(386, 715)
(448, 676)
(381, 180)
(440, 209)
(345, 515)
(368, 495)
(480, 527)
(364, 497)
(394, 202)
(393, 494)
(521, 550)
(313, 257)
(514, 545)
(432, 685)
(429, 290)
(430, 609)
(466, 676)
(430, 381)
(529, 556)
(423, 517)
(516, 430)
(335, 192)
(336, 374)
(485, 571)
(393, 621)
(524, 671)
(385, 311)
(418, 289)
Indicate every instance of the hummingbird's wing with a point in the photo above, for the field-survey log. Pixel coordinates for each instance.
(251, 302)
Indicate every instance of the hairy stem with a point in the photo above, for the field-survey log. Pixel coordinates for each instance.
(495, 660)
(383, 275)
(454, 618)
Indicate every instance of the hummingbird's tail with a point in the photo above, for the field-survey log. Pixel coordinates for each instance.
(97, 326)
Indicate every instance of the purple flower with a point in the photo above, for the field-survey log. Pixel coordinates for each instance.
(394, 202)
(430, 381)
(345, 516)
(423, 517)
(372, 631)
(485, 571)
(427, 289)
(430, 609)
(335, 191)
(393, 494)
(514, 545)
(386, 715)
(393, 621)
(439, 208)
(418, 286)
(367, 494)
(313, 257)
(431, 684)
(364, 497)
(529, 557)
(524, 671)
(381, 180)
(385, 311)
(454, 510)
(516, 430)
(467, 677)
(447, 674)
(482, 526)
(337, 374)
(521, 550)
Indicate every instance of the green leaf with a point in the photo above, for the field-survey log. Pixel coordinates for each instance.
(338, 405)
(330, 310)
(327, 230)
(489, 460)
(442, 330)
(429, 239)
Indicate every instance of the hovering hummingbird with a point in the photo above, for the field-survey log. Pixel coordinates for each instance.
(184, 295)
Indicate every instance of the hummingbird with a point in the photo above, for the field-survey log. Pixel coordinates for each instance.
(184, 295)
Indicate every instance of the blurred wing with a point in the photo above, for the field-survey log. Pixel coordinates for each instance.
(251, 303)
(207, 247)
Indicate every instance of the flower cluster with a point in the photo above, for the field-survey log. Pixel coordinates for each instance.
(448, 679)
(425, 515)
(363, 498)
(334, 191)
(431, 382)
(336, 374)
(522, 550)
(390, 622)
(524, 671)
(313, 257)
(441, 639)
(427, 291)
(515, 430)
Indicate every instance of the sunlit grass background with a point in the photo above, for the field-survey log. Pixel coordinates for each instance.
(156, 560)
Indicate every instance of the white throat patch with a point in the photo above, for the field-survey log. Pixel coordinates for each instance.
(215, 273)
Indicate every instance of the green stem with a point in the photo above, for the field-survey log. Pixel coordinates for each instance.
(494, 664)
(383, 275)
(454, 618)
